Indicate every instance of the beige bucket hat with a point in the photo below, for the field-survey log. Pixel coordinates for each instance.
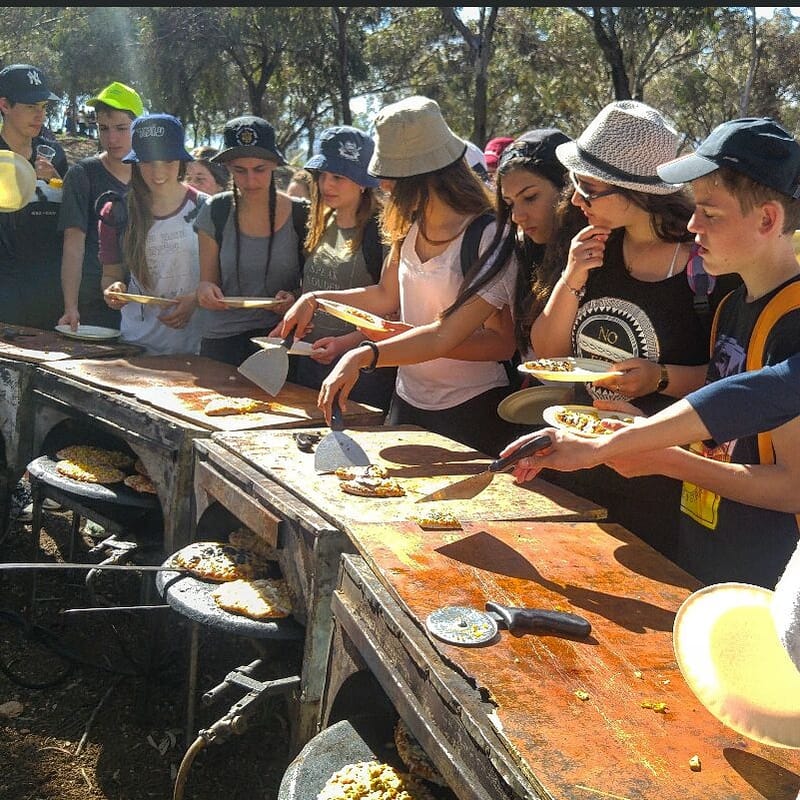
(738, 647)
(622, 146)
(412, 138)
(17, 181)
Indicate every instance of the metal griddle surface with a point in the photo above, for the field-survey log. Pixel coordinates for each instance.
(192, 598)
(44, 469)
(363, 738)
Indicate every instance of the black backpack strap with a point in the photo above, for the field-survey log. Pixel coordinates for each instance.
(372, 249)
(300, 213)
(220, 210)
(471, 242)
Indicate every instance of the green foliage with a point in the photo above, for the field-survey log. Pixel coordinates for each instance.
(302, 67)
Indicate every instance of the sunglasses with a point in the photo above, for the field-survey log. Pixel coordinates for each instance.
(588, 197)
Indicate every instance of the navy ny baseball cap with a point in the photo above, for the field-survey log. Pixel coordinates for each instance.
(345, 150)
(755, 146)
(157, 137)
(24, 83)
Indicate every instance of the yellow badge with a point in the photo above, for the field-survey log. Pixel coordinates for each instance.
(701, 504)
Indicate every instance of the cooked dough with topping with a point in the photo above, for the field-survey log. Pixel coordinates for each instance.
(89, 473)
(370, 780)
(373, 487)
(226, 406)
(266, 598)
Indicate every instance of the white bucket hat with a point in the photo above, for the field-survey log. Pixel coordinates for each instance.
(622, 146)
(17, 181)
(738, 647)
(412, 138)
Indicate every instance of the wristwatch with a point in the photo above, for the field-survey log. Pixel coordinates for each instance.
(663, 380)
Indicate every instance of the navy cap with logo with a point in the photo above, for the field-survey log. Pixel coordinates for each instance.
(157, 137)
(24, 83)
(249, 137)
(345, 150)
(755, 146)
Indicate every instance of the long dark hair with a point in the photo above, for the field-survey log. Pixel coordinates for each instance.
(273, 201)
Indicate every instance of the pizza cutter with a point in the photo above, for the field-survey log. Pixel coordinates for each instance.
(463, 625)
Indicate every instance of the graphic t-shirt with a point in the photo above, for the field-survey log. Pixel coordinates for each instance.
(720, 539)
(173, 262)
(622, 317)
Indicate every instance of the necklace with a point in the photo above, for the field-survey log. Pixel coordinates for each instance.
(438, 242)
(629, 268)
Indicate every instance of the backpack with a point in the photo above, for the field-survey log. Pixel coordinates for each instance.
(785, 301)
(221, 209)
(468, 256)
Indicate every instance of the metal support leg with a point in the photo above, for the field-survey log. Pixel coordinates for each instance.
(191, 692)
(74, 534)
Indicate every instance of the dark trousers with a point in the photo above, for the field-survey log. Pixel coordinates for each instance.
(474, 423)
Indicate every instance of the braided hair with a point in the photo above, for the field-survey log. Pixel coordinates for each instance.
(273, 202)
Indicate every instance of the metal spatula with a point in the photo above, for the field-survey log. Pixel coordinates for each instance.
(269, 367)
(337, 449)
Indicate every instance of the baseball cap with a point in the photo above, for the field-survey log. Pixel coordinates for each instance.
(345, 150)
(249, 137)
(536, 149)
(24, 83)
(758, 147)
(118, 95)
(157, 137)
(494, 149)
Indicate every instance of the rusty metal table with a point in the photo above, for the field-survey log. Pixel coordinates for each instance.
(504, 720)
(155, 404)
(19, 357)
(269, 485)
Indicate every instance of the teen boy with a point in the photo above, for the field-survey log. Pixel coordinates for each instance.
(116, 107)
(740, 497)
(30, 243)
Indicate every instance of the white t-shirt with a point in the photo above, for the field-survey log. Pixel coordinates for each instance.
(426, 289)
(174, 264)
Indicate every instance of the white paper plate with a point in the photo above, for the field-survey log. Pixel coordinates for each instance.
(355, 316)
(583, 370)
(251, 302)
(299, 348)
(144, 299)
(525, 407)
(728, 651)
(551, 417)
(88, 332)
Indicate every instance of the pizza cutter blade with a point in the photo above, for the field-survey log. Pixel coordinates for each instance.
(337, 449)
(467, 626)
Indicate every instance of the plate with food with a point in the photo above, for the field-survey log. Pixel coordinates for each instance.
(144, 299)
(569, 369)
(88, 332)
(252, 302)
(355, 316)
(586, 420)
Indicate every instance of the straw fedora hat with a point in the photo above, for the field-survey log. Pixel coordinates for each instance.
(17, 181)
(622, 146)
(738, 647)
(412, 138)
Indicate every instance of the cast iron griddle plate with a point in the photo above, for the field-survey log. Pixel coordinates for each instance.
(192, 597)
(361, 738)
(44, 469)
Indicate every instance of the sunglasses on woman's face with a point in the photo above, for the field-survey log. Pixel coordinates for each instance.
(589, 197)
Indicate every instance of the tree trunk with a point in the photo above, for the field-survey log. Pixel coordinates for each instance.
(340, 16)
(744, 102)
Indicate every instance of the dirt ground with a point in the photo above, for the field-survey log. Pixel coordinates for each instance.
(111, 724)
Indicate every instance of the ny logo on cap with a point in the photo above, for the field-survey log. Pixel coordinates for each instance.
(33, 78)
(246, 135)
(350, 150)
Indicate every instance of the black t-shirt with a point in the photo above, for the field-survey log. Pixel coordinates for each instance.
(30, 255)
(622, 317)
(720, 539)
(84, 183)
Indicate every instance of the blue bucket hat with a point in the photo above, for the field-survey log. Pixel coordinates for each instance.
(157, 137)
(345, 150)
